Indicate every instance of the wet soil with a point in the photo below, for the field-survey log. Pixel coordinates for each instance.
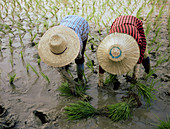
(33, 103)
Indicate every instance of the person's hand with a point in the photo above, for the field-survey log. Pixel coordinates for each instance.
(134, 79)
(131, 79)
(100, 83)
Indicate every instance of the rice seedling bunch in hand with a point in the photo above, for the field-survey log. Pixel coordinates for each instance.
(119, 111)
(64, 89)
(80, 110)
(79, 91)
(110, 78)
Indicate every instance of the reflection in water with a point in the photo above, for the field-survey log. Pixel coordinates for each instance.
(30, 93)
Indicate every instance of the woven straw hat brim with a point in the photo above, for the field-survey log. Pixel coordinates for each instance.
(131, 51)
(73, 47)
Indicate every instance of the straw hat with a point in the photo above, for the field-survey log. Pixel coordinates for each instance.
(118, 53)
(59, 46)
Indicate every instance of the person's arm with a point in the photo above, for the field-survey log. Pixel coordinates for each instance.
(146, 64)
(142, 42)
(136, 72)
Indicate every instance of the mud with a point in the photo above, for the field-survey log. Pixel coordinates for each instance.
(33, 103)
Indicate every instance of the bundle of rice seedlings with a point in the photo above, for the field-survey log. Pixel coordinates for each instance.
(110, 78)
(119, 111)
(78, 91)
(64, 89)
(80, 110)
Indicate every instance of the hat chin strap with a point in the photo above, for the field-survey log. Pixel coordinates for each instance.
(115, 53)
(58, 53)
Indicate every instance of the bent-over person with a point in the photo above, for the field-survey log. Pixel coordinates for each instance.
(62, 44)
(123, 49)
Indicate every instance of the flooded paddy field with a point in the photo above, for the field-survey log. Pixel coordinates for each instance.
(33, 92)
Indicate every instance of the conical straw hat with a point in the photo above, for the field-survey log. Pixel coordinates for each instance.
(118, 53)
(59, 46)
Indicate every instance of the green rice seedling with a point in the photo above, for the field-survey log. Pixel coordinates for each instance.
(159, 15)
(92, 41)
(45, 76)
(90, 65)
(151, 48)
(164, 124)
(11, 50)
(119, 111)
(110, 78)
(79, 91)
(12, 62)
(21, 28)
(119, 5)
(18, 3)
(129, 2)
(159, 44)
(22, 57)
(69, 72)
(80, 110)
(64, 89)
(94, 9)
(10, 42)
(82, 8)
(106, 26)
(85, 77)
(161, 60)
(27, 67)
(148, 28)
(125, 10)
(151, 72)
(113, 10)
(20, 37)
(138, 14)
(6, 9)
(39, 60)
(34, 70)
(46, 25)
(2, 31)
(156, 34)
(33, 37)
(145, 91)
(89, 17)
(11, 78)
(12, 20)
(158, 2)
(150, 13)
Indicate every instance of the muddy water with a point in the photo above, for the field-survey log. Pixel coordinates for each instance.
(30, 93)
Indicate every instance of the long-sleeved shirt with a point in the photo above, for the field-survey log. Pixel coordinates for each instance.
(80, 26)
(132, 26)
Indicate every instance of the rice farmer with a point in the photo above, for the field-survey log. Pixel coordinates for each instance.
(125, 48)
(62, 44)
